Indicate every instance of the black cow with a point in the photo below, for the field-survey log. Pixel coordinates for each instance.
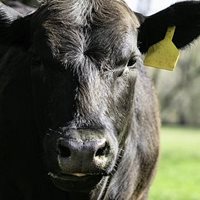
(78, 115)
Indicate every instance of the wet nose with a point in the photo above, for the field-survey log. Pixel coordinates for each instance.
(82, 156)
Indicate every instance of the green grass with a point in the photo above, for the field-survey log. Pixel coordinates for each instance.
(178, 175)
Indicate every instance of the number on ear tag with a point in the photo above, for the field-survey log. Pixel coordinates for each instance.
(164, 54)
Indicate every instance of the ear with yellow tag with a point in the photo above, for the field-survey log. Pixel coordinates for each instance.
(164, 54)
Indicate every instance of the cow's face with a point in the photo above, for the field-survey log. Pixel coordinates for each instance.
(91, 98)
(83, 80)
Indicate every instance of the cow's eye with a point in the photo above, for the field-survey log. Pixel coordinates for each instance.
(131, 61)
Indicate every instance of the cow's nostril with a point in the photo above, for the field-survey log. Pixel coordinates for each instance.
(63, 151)
(103, 151)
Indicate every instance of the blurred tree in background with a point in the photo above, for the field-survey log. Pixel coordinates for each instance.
(179, 91)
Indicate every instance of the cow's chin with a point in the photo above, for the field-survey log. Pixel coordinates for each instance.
(76, 182)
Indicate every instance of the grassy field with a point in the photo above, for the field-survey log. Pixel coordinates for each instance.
(178, 176)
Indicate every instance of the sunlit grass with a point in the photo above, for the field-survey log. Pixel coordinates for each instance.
(178, 176)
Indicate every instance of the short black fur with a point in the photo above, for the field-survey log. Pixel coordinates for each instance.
(72, 84)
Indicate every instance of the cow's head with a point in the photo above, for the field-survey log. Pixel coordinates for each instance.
(92, 100)
(83, 56)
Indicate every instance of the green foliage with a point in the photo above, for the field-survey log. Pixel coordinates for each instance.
(178, 176)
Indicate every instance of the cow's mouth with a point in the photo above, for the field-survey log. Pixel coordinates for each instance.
(76, 181)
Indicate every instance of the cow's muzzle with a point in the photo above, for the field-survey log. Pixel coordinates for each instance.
(83, 156)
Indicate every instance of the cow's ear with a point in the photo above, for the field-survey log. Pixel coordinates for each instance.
(185, 16)
(14, 28)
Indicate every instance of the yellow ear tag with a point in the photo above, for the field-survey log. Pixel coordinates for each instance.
(164, 54)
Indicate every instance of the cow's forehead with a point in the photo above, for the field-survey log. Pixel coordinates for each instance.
(76, 27)
(79, 11)
(83, 13)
